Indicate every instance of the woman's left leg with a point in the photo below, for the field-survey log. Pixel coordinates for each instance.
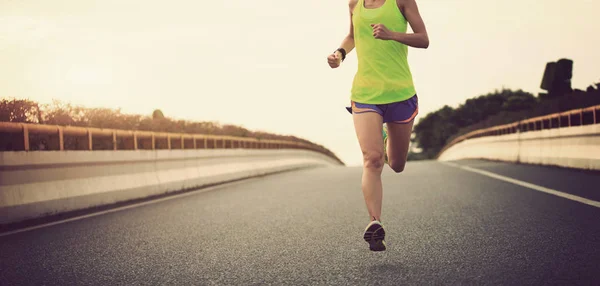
(398, 142)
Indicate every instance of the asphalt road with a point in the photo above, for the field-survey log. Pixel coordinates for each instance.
(444, 225)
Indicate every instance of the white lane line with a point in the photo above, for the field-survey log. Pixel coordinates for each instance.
(244, 181)
(528, 185)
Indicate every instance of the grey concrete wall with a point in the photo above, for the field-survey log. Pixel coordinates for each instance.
(36, 184)
(573, 147)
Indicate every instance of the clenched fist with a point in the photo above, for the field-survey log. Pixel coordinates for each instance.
(381, 32)
(334, 60)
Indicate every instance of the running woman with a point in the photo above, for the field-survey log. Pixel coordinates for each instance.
(382, 92)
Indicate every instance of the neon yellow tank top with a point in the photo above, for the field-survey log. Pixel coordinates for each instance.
(383, 74)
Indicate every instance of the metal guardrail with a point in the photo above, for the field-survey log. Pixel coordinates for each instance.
(569, 118)
(142, 140)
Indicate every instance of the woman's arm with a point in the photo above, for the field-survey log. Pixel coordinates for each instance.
(347, 44)
(418, 39)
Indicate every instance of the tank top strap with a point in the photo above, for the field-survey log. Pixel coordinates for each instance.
(359, 5)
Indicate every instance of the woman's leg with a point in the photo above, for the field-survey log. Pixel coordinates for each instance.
(398, 142)
(368, 130)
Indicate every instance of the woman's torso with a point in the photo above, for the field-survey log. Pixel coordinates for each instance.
(383, 74)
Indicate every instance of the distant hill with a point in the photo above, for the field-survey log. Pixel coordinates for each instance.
(504, 106)
(438, 128)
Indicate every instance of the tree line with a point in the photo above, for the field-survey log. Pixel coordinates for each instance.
(504, 106)
(65, 114)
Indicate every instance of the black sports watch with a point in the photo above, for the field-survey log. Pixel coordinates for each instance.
(343, 52)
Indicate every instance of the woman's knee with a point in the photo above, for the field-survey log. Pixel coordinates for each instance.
(373, 159)
(397, 166)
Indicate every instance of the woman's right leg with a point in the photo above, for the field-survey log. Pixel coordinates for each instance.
(368, 130)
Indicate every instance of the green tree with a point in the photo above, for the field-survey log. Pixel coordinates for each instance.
(158, 114)
(19, 110)
(433, 131)
(60, 113)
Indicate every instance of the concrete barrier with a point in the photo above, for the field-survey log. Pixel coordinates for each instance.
(573, 147)
(37, 184)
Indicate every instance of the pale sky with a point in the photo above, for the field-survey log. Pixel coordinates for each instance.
(262, 64)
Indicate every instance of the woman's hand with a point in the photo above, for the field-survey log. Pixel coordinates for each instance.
(334, 60)
(381, 32)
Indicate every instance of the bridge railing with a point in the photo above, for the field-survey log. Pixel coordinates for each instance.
(91, 139)
(575, 117)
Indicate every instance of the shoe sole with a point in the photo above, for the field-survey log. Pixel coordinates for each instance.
(375, 236)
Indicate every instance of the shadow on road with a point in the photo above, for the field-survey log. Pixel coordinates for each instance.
(386, 269)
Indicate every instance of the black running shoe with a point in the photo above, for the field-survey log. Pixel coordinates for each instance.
(375, 236)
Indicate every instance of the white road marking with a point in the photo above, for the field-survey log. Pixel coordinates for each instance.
(528, 185)
(245, 181)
